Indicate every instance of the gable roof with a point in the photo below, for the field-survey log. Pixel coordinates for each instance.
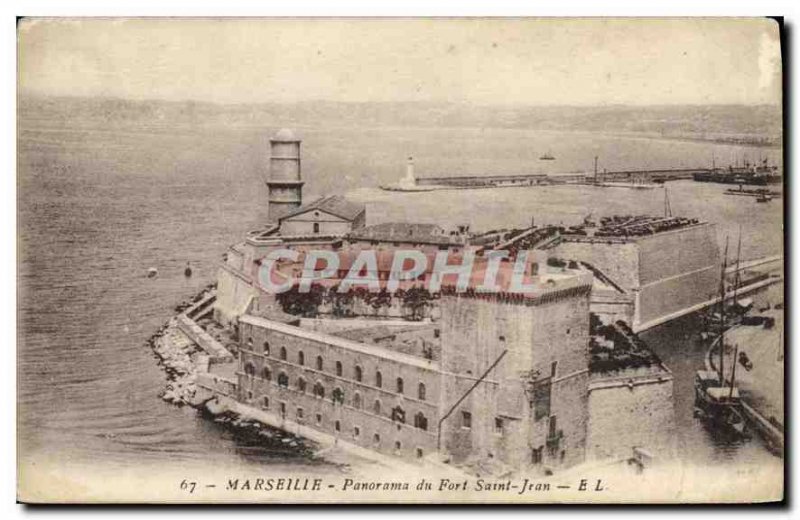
(333, 204)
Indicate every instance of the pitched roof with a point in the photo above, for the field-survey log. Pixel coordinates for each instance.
(333, 204)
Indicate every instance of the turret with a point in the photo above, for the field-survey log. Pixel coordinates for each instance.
(284, 182)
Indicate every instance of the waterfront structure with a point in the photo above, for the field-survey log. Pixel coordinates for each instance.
(480, 380)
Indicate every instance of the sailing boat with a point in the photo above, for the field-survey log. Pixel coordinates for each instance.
(547, 157)
(716, 401)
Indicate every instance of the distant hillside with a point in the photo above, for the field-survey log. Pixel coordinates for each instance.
(760, 124)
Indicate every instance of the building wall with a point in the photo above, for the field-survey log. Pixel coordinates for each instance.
(474, 334)
(234, 295)
(677, 269)
(253, 389)
(629, 411)
(618, 261)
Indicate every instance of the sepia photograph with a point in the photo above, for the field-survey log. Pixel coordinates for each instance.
(311, 260)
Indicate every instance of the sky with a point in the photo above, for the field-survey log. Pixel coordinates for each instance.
(477, 61)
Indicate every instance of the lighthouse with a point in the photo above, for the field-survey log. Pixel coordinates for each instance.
(284, 180)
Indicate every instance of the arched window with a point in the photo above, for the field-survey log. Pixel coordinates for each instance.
(420, 421)
(316, 227)
(421, 391)
(359, 373)
(357, 400)
(337, 426)
(266, 374)
(266, 348)
(265, 404)
(319, 390)
(249, 369)
(301, 358)
(301, 384)
(339, 368)
(337, 396)
(376, 408)
(283, 353)
(283, 380)
(319, 363)
(399, 385)
(378, 379)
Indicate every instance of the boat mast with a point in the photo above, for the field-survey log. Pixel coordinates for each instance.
(738, 259)
(733, 370)
(722, 316)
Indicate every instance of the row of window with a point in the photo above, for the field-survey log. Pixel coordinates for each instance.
(337, 425)
(397, 413)
(358, 372)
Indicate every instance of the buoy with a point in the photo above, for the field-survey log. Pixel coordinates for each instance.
(188, 271)
(152, 272)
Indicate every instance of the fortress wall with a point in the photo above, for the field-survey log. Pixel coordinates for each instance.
(620, 262)
(677, 270)
(233, 296)
(474, 334)
(622, 418)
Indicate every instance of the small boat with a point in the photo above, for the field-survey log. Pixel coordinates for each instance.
(719, 404)
(764, 197)
(547, 157)
(188, 271)
(152, 272)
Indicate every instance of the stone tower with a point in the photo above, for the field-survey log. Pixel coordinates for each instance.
(284, 182)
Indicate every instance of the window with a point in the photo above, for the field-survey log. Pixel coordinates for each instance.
(399, 415)
(301, 384)
(420, 421)
(316, 227)
(397, 447)
(356, 431)
(283, 353)
(265, 404)
(319, 418)
(319, 390)
(376, 439)
(437, 333)
(419, 453)
(536, 455)
(553, 369)
(299, 413)
(551, 426)
(498, 425)
(466, 420)
(378, 379)
(421, 391)
(377, 407)
(301, 358)
(266, 374)
(399, 385)
(358, 373)
(266, 348)
(337, 426)
(339, 368)
(338, 395)
(283, 409)
(357, 400)
(541, 399)
(283, 380)
(249, 395)
(250, 343)
(249, 369)
(319, 363)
